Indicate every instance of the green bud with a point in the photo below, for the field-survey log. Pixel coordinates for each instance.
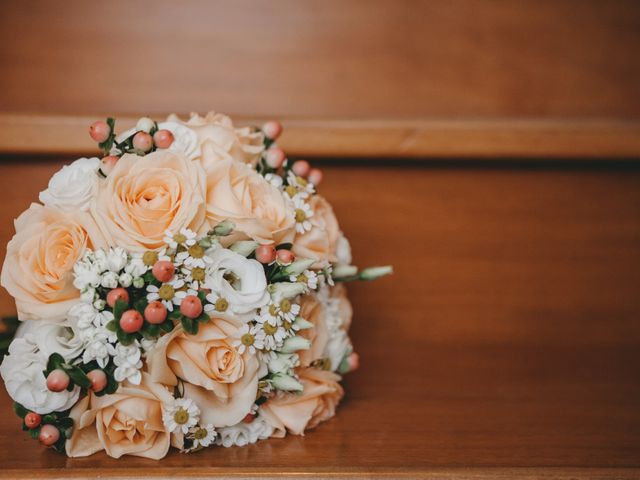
(344, 271)
(138, 282)
(223, 229)
(282, 290)
(285, 382)
(303, 323)
(293, 344)
(283, 363)
(244, 247)
(299, 266)
(372, 273)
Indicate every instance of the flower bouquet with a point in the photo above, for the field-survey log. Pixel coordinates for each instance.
(184, 290)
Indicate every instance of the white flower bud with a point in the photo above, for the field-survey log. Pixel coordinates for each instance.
(282, 290)
(223, 229)
(344, 271)
(303, 323)
(145, 124)
(109, 280)
(372, 273)
(285, 382)
(299, 266)
(125, 280)
(116, 259)
(88, 294)
(244, 247)
(293, 344)
(138, 282)
(283, 363)
(99, 304)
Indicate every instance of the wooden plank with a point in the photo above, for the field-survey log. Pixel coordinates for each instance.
(505, 345)
(366, 139)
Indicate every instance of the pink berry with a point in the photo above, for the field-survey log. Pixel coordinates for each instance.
(117, 294)
(249, 418)
(99, 131)
(354, 361)
(272, 129)
(163, 138)
(191, 306)
(155, 313)
(285, 257)
(107, 163)
(266, 254)
(315, 176)
(142, 142)
(32, 420)
(301, 168)
(275, 157)
(49, 435)
(58, 380)
(98, 380)
(163, 270)
(131, 321)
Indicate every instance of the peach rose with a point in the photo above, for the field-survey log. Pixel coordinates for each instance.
(320, 243)
(128, 422)
(259, 210)
(38, 268)
(220, 380)
(144, 196)
(313, 311)
(217, 134)
(298, 412)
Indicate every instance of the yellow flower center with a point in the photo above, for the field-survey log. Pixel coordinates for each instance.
(291, 190)
(287, 325)
(247, 339)
(200, 434)
(300, 215)
(181, 416)
(166, 292)
(149, 258)
(301, 181)
(197, 273)
(196, 251)
(269, 329)
(273, 310)
(179, 238)
(302, 278)
(285, 305)
(221, 305)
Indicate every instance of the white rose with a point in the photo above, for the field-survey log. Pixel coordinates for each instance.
(343, 250)
(28, 356)
(240, 281)
(73, 187)
(185, 140)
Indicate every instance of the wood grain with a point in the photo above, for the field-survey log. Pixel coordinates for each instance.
(505, 345)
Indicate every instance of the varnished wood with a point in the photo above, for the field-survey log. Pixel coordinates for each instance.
(365, 139)
(505, 345)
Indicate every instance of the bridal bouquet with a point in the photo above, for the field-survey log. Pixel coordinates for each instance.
(185, 290)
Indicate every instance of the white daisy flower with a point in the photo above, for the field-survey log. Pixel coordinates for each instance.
(202, 435)
(247, 339)
(170, 293)
(308, 277)
(181, 415)
(194, 256)
(185, 238)
(194, 277)
(216, 303)
(298, 186)
(303, 212)
(270, 336)
(275, 313)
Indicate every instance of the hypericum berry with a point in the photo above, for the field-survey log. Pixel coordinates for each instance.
(131, 321)
(155, 313)
(249, 418)
(58, 380)
(191, 306)
(163, 270)
(353, 361)
(285, 257)
(315, 176)
(117, 294)
(275, 157)
(98, 380)
(32, 420)
(107, 163)
(142, 142)
(49, 435)
(301, 168)
(266, 254)
(272, 129)
(145, 124)
(163, 138)
(99, 131)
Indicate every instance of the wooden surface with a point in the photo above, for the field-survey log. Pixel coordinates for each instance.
(506, 344)
(365, 139)
(444, 78)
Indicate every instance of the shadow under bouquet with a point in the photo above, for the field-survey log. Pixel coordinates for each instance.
(185, 290)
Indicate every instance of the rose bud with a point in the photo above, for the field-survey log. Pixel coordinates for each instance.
(98, 380)
(117, 294)
(49, 435)
(58, 380)
(191, 306)
(155, 313)
(163, 138)
(131, 321)
(99, 131)
(142, 142)
(32, 420)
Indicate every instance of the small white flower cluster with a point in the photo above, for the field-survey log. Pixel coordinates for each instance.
(244, 433)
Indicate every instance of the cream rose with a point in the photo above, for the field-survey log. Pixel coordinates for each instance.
(217, 135)
(221, 381)
(298, 412)
(128, 422)
(144, 196)
(38, 268)
(320, 243)
(258, 209)
(73, 187)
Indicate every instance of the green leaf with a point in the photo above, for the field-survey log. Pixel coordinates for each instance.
(125, 338)
(140, 305)
(202, 295)
(203, 318)
(166, 326)
(79, 377)
(119, 308)
(175, 316)
(189, 326)
(112, 326)
(34, 433)
(20, 410)
(65, 423)
(284, 246)
(55, 361)
(150, 331)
